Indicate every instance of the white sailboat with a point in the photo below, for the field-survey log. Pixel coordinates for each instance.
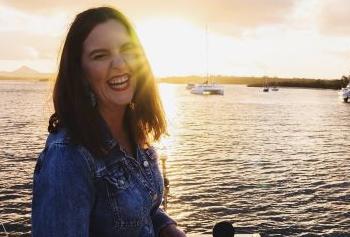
(207, 88)
(344, 93)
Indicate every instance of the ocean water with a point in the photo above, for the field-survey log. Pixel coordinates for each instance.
(276, 163)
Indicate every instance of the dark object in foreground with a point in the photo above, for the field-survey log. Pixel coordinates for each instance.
(223, 229)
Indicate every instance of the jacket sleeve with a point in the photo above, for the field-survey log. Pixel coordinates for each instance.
(160, 220)
(63, 193)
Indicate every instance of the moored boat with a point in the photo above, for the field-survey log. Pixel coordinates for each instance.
(207, 89)
(344, 93)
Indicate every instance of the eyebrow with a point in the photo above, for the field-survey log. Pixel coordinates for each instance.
(123, 47)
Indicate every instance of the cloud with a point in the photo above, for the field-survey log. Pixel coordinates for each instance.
(21, 45)
(284, 30)
(334, 17)
(43, 6)
(24, 35)
(221, 14)
(249, 13)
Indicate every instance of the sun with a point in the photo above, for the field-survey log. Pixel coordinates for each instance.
(173, 46)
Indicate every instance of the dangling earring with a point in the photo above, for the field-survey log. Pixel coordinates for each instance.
(132, 105)
(89, 93)
(92, 99)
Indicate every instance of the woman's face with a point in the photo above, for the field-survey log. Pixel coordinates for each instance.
(107, 60)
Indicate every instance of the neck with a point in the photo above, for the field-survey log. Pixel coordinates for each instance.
(114, 118)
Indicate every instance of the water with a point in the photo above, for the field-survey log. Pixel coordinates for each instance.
(276, 163)
(23, 132)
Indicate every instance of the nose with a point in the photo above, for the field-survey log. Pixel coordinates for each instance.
(118, 61)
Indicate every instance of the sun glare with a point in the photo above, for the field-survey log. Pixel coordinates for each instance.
(177, 47)
(174, 47)
(170, 103)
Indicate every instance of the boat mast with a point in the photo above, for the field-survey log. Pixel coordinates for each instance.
(206, 52)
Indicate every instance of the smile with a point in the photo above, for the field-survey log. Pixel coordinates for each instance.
(119, 83)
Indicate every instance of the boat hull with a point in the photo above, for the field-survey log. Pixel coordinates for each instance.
(344, 94)
(207, 89)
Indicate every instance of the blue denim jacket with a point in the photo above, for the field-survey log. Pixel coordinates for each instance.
(75, 194)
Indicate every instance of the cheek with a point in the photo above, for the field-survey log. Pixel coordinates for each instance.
(95, 73)
(134, 83)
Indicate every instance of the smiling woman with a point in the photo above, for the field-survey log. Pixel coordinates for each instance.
(98, 174)
(109, 65)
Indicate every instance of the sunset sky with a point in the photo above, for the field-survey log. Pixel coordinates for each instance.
(285, 38)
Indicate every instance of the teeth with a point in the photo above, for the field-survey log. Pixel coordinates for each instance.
(119, 86)
(118, 80)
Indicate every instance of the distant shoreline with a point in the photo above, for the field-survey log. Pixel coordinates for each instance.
(334, 84)
(16, 78)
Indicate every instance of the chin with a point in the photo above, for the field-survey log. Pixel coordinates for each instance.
(122, 102)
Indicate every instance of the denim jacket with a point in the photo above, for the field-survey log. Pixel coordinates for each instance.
(75, 194)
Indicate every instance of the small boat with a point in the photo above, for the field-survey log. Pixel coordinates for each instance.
(207, 89)
(266, 89)
(274, 88)
(266, 86)
(344, 93)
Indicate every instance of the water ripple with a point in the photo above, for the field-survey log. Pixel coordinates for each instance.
(275, 163)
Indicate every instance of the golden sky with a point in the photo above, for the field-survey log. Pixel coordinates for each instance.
(286, 38)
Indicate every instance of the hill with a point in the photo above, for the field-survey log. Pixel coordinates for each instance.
(24, 73)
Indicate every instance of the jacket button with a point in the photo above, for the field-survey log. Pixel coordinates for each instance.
(121, 182)
(155, 196)
(145, 163)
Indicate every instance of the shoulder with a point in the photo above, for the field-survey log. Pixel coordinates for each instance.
(60, 137)
(151, 152)
(59, 151)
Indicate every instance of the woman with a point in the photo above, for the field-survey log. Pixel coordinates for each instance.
(98, 174)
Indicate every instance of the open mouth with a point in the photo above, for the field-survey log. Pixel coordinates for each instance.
(120, 82)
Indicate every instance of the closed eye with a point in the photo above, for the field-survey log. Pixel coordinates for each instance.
(128, 46)
(131, 52)
(130, 49)
(99, 56)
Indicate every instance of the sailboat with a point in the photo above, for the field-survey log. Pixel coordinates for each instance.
(274, 87)
(344, 93)
(207, 88)
(266, 89)
(266, 86)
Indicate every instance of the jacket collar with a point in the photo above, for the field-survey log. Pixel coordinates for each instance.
(109, 143)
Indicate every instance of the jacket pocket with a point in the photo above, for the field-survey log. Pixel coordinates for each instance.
(125, 198)
(118, 181)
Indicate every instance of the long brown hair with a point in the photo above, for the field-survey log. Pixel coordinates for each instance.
(74, 111)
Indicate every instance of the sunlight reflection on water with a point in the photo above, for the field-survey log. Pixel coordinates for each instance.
(275, 163)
